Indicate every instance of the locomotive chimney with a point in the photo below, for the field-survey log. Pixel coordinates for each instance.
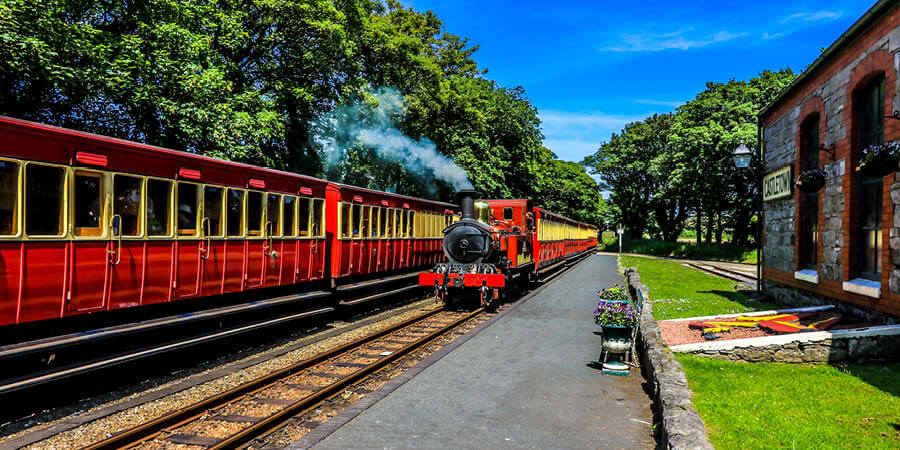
(467, 203)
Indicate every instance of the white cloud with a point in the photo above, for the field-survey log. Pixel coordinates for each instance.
(768, 36)
(572, 149)
(673, 104)
(812, 16)
(676, 40)
(563, 122)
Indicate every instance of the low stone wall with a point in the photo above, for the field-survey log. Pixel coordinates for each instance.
(681, 425)
(881, 343)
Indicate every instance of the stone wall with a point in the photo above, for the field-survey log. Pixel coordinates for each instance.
(779, 232)
(823, 348)
(680, 426)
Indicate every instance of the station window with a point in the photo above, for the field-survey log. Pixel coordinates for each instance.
(273, 214)
(364, 222)
(346, 220)
(235, 213)
(870, 116)
(254, 213)
(127, 194)
(357, 220)
(318, 222)
(288, 205)
(809, 229)
(304, 217)
(88, 203)
(212, 209)
(159, 203)
(9, 198)
(187, 209)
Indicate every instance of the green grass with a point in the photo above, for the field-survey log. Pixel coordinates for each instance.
(690, 250)
(680, 291)
(772, 405)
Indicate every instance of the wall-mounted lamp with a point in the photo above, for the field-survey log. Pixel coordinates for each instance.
(829, 150)
(895, 115)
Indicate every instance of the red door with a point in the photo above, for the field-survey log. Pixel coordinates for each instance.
(187, 277)
(127, 275)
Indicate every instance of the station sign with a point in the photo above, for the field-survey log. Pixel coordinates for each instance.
(778, 184)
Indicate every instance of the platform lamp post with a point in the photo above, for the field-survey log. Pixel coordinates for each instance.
(743, 158)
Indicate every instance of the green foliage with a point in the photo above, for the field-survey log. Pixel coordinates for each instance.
(663, 168)
(680, 291)
(774, 405)
(687, 250)
(250, 80)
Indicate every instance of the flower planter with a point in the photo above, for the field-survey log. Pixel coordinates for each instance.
(811, 180)
(617, 316)
(616, 339)
(880, 160)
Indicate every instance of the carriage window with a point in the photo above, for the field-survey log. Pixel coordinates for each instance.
(88, 204)
(212, 209)
(346, 219)
(254, 213)
(159, 198)
(383, 225)
(318, 216)
(388, 228)
(273, 213)
(235, 213)
(127, 194)
(288, 208)
(304, 217)
(9, 197)
(507, 213)
(373, 232)
(366, 215)
(411, 224)
(187, 209)
(357, 219)
(44, 200)
(396, 227)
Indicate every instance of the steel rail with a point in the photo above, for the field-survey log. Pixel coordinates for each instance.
(145, 431)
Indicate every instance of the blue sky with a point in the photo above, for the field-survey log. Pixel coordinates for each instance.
(590, 67)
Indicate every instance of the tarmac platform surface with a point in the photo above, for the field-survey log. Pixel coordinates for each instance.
(529, 380)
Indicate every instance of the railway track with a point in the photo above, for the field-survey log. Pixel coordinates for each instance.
(722, 272)
(237, 416)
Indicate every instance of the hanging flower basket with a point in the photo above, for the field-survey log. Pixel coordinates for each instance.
(879, 160)
(811, 180)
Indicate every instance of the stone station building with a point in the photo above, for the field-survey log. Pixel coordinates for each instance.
(841, 243)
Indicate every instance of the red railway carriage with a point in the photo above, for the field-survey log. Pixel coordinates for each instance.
(558, 238)
(380, 233)
(90, 223)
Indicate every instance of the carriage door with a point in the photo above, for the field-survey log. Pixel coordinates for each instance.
(275, 245)
(256, 239)
(188, 245)
(212, 230)
(90, 259)
(127, 257)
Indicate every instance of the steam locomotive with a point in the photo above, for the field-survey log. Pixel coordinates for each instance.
(499, 244)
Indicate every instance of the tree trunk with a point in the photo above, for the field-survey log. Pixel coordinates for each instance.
(709, 227)
(699, 224)
(719, 228)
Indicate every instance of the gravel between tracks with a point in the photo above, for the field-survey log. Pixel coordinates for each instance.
(106, 426)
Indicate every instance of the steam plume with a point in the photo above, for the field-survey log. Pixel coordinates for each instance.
(372, 126)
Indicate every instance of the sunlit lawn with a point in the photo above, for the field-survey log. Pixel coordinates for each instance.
(774, 405)
(678, 291)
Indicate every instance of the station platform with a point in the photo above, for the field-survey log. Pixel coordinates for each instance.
(528, 380)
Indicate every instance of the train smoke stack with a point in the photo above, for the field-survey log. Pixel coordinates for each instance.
(467, 203)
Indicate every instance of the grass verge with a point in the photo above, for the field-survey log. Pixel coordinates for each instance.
(680, 291)
(773, 405)
(690, 250)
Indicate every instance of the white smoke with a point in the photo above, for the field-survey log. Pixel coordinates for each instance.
(373, 126)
